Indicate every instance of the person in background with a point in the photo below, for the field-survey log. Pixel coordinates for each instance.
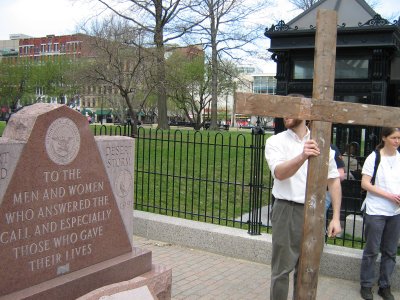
(287, 155)
(382, 216)
(342, 174)
(352, 167)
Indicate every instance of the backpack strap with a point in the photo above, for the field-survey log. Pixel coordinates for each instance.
(377, 161)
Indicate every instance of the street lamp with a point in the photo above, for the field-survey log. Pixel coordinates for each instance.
(101, 118)
(226, 109)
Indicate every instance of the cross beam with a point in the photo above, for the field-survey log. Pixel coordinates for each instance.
(315, 110)
(323, 111)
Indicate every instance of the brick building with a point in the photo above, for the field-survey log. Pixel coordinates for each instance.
(51, 45)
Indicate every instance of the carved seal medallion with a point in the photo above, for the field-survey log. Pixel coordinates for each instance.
(123, 183)
(62, 141)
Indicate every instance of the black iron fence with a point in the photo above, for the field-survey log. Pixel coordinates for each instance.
(200, 175)
(221, 178)
(110, 129)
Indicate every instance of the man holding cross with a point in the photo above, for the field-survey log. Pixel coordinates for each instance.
(287, 155)
(323, 112)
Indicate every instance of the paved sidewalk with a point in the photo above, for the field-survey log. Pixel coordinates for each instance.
(198, 274)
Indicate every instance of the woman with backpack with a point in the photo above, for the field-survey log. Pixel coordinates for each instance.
(381, 180)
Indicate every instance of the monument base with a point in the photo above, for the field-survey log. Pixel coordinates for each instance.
(124, 268)
(153, 285)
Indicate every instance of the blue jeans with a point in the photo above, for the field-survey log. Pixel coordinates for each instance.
(382, 234)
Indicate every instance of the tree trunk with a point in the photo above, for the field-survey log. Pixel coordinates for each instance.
(214, 69)
(161, 80)
(133, 114)
(161, 90)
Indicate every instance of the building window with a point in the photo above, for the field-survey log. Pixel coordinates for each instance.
(264, 85)
(303, 69)
(344, 69)
(355, 98)
(352, 68)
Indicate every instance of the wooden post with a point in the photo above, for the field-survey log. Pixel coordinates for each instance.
(314, 205)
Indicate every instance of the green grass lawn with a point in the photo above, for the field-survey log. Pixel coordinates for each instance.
(2, 126)
(198, 175)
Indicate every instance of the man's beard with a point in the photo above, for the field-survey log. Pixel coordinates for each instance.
(293, 124)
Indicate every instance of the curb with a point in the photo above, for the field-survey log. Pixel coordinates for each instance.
(336, 261)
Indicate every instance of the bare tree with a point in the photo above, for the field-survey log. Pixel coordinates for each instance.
(226, 31)
(120, 63)
(373, 3)
(166, 21)
(303, 4)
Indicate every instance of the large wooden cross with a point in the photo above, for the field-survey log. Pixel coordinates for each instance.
(323, 111)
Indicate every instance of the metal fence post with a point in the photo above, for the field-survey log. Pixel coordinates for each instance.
(256, 179)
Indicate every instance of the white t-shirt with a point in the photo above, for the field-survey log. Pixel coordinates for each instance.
(388, 179)
(285, 146)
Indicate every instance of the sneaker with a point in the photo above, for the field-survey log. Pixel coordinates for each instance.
(385, 293)
(366, 293)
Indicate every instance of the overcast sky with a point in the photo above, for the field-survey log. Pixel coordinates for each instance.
(42, 17)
